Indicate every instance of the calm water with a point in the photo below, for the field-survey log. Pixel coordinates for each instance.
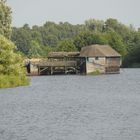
(105, 107)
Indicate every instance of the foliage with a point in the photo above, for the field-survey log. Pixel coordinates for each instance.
(12, 72)
(95, 25)
(22, 38)
(7, 81)
(87, 38)
(5, 19)
(34, 50)
(66, 45)
(9, 66)
(39, 40)
(116, 41)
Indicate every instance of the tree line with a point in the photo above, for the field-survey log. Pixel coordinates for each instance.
(38, 41)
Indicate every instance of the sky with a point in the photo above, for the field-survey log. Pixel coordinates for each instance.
(37, 12)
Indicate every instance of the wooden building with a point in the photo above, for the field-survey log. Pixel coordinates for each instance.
(62, 63)
(57, 63)
(101, 58)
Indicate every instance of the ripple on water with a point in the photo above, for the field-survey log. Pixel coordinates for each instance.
(73, 108)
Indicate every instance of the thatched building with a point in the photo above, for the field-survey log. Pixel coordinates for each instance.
(101, 58)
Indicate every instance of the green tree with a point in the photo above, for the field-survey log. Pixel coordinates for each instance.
(5, 19)
(52, 40)
(95, 25)
(12, 72)
(132, 58)
(88, 38)
(22, 39)
(116, 42)
(66, 45)
(35, 50)
(46, 50)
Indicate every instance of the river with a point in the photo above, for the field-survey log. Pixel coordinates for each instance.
(104, 107)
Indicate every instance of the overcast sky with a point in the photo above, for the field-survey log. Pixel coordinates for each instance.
(37, 12)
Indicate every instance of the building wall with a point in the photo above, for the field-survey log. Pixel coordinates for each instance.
(103, 64)
(113, 64)
(33, 69)
(113, 61)
(95, 64)
(97, 60)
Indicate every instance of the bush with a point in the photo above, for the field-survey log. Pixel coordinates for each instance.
(7, 81)
(12, 72)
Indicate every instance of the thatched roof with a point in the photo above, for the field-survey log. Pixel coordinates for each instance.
(63, 54)
(98, 51)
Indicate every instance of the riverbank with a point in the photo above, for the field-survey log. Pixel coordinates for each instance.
(9, 81)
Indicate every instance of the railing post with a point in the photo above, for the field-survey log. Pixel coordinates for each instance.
(51, 70)
(38, 70)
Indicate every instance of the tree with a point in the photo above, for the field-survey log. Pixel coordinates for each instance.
(22, 39)
(88, 38)
(46, 49)
(95, 25)
(116, 42)
(51, 40)
(132, 59)
(12, 72)
(8, 58)
(66, 45)
(5, 19)
(35, 50)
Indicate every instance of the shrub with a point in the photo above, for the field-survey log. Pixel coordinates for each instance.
(12, 72)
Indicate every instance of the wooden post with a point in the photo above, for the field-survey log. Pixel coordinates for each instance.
(38, 70)
(65, 70)
(65, 65)
(51, 70)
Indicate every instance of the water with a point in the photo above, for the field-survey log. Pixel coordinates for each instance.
(105, 107)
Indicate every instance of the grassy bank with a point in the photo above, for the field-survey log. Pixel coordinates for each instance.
(97, 72)
(9, 81)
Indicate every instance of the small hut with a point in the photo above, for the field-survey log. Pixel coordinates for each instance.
(101, 58)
